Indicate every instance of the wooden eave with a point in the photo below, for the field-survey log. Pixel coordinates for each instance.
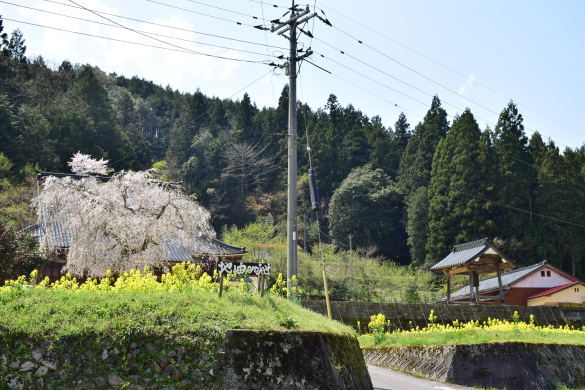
(483, 263)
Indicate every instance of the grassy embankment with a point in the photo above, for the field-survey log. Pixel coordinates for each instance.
(139, 305)
(491, 331)
(351, 276)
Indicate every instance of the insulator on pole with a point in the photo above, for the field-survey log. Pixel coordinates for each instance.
(315, 202)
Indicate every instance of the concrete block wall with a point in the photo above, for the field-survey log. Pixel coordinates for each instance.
(404, 316)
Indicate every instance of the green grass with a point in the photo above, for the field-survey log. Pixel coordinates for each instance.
(471, 336)
(351, 276)
(56, 314)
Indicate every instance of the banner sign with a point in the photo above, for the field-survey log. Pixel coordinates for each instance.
(257, 269)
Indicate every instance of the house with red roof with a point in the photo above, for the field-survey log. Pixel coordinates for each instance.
(569, 293)
(541, 282)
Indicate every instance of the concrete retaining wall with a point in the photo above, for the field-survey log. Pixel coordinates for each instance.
(293, 360)
(515, 366)
(406, 315)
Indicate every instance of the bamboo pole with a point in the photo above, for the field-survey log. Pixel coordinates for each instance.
(327, 302)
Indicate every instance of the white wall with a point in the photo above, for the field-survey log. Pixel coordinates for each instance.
(535, 280)
(568, 295)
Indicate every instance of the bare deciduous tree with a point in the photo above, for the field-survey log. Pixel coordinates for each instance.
(247, 164)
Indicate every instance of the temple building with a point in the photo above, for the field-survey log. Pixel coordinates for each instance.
(536, 284)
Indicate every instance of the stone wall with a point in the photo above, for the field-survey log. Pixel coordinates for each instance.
(405, 315)
(515, 366)
(239, 360)
(85, 363)
(297, 360)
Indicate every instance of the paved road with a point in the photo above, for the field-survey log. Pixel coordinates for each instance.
(387, 379)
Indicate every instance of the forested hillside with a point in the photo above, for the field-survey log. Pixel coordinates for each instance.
(407, 193)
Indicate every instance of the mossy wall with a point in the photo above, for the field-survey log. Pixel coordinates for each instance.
(518, 366)
(240, 359)
(85, 363)
(294, 360)
(404, 315)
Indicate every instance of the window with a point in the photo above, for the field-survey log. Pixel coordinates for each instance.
(541, 273)
(576, 289)
(547, 273)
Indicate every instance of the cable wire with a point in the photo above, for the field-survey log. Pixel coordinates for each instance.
(169, 26)
(410, 69)
(160, 40)
(227, 10)
(142, 31)
(200, 13)
(129, 42)
(452, 70)
(267, 50)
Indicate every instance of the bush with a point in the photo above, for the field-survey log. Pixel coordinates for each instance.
(351, 276)
(18, 253)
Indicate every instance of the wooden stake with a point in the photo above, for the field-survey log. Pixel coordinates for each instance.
(327, 296)
(448, 288)
(500, 284)
(220, 285)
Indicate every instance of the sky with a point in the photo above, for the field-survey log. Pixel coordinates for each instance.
(471, 53)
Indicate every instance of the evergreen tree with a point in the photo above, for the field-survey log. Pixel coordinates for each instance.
(218, 119)
(246, 129)
(184, 129)
(17, 47)
(3, 37)
(400, 139)
(537, 149)
(90, 92)
(515, 179)
(353, 151)
(561, 205)
(458, 188)
(416, 164)
(417, 225)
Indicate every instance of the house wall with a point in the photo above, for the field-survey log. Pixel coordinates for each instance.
(568, 295)
(536, 280)
(518, 296)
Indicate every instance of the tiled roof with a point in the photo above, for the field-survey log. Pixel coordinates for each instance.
(59, 235)
(463, 253)
(555, 289)
(491, 283)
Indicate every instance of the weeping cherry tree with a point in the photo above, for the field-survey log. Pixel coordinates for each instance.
(118, 224)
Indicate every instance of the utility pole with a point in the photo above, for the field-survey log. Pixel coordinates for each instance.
(297, 17)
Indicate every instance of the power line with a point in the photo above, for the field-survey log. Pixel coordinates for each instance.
(374, 80)
(169, 26)
(363, 88)
(201, 13)
(452, 70)
(227, 10)
(273, 5)
(160, 40)
(555, 219)
(142, 31)
(410, 69)
(267, 50)
(130, 42)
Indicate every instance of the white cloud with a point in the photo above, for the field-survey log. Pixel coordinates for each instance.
(468, 85)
